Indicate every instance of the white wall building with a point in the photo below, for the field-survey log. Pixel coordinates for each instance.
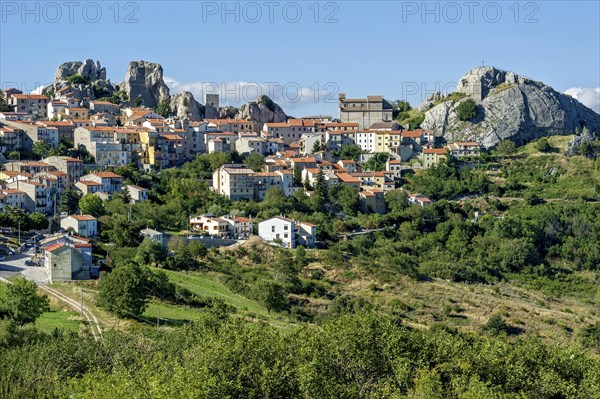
(82, 225)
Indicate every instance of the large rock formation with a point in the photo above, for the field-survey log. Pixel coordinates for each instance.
(262, 110)
(93, 86)
(227, 112)
(89, 70)
(509, 107)
(184, 105)
(145, 80)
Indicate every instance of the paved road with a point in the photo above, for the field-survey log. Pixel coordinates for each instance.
(14, 265)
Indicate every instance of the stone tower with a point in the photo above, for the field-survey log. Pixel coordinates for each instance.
(211, 102)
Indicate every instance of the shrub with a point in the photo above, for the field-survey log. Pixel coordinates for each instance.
(467, 110)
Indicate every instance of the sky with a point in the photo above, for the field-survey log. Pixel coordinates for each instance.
(303, 53)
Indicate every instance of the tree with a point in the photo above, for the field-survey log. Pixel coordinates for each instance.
(466, 110)
(42, 149)
(496, 325)
(321, 186)
(255, 161)
(377, 162)
(91, 204)
(397, 201)
(124, 233)
(39, 221)
(197, 249)
(151, 252)
(14, 155)
(124, 291)
(346, 197)
(316, 146)
(3, 105)
(351, 152)
(401, 109)
(297, 176)
(272, 296)
(138, 101)
(21, 302)
(69, 200)
(164, 107)
(77, 79)
(505, 148)
(543, 145)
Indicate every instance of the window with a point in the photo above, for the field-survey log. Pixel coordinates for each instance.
(272, 229)
(285, 227)
(285, 235)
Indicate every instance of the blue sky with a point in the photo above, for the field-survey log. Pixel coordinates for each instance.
(313, 50)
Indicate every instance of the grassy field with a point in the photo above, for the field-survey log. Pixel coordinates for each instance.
(468, 307)
(57, 317)
(207, 285)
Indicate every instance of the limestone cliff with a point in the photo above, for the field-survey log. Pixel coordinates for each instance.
(509, 107)
(145, 80)
(262, 110)
(184, 105)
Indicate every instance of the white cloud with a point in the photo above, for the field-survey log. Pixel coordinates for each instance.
(590, 97)
(289, 95)
(38, 90)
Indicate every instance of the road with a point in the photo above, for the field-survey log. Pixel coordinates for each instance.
(16, 265)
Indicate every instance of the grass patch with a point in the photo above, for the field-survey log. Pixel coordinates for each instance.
(66, 320)
(207, 285)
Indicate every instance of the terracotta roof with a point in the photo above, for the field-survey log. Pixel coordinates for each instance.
(82, 218)
(347, 178)
(89, 183)
(412, 133)
(440, 151)
(108, 175)
(54, 247)
(137, 187)
(172, 137)
(12, 191)
(30, 97)
(278, 124)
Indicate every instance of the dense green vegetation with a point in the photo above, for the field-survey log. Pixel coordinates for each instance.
(510, 243)
(466, 110)
(352, 356)
(77, 79)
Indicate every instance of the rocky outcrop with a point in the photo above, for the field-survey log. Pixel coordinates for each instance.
(573, 145)
(93, 86)
(263, 110)
(430, 101)
(184, 105)
(89, 70)
(145, 80)
(509, 107)
(227, 112)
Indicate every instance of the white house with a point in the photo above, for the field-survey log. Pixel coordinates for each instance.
(279, 230)
(418, 199)
(154, 235)
(287, 232)
(137, 193)
(83, 225)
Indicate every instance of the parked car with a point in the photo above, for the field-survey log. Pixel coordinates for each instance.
(30, 263)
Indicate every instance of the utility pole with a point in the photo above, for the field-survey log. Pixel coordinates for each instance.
(81, 305)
